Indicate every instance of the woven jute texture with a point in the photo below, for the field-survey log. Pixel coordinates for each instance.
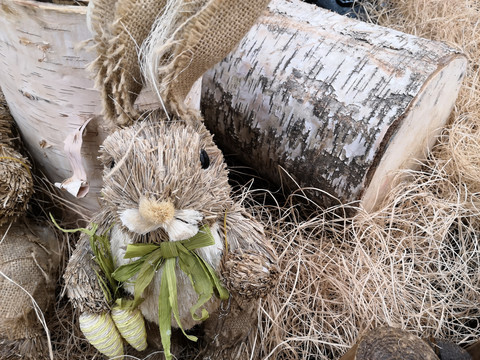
(119, 29)
(16, 183)
(203, 40)
(28, 262)
(177, 41)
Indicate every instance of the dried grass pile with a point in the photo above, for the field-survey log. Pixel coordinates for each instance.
(16, 184)
(412, 264)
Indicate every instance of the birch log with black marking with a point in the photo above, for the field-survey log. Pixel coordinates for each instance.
(44, 55)
(339, 104)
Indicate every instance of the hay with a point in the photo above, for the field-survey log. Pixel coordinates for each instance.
(16, 186)
(414, 263)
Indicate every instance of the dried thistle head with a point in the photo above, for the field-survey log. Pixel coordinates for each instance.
(162, 180)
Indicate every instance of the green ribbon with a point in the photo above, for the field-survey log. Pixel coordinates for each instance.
(151, 258)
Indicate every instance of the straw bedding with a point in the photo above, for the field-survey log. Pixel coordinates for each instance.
(412, 264)
(16, 185)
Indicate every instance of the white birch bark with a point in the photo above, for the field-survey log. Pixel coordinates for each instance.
(333, 101)
(48, 89)
(339, 104)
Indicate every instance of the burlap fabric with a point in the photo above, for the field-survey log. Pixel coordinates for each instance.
(28, 262)
(203, 40)
(16, 183)
(119, 29)
(185, 38)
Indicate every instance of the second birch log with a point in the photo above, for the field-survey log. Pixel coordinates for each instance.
(44, 54)
(341, 105)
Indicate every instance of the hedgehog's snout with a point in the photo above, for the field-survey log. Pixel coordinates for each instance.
(152, 214)
(156, 212)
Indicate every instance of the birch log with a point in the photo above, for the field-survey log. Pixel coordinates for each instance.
(333, 101)
(339, 104)
(44, 55)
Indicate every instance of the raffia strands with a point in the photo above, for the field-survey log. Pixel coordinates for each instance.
(101, 332)
(412, 265)
(16, 184)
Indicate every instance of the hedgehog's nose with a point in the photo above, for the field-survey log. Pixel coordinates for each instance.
(156, 212)
(152, 214)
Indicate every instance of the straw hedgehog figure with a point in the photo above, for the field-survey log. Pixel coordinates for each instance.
(167, 183)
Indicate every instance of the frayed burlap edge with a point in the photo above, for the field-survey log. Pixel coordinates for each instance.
(120, 29)
(196, 40)
(204, 39)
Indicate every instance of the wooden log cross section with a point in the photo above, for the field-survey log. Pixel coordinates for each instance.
(338, 103)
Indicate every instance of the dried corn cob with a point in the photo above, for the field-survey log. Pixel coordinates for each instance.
(131, 325)
(100, 331)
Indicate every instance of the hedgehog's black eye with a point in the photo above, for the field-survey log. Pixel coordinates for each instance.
(112, 164)
(204, 159)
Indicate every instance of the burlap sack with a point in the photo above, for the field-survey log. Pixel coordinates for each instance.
(16, 183)
(29, 259)
(186, 39)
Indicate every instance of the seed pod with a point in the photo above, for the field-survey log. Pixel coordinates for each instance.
(386, 343)
(131, 326)
(100, 331)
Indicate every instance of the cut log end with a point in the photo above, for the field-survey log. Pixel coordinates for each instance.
(416, 132)
(340, 105)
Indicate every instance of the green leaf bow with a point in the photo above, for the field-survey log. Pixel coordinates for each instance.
(151, 258)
